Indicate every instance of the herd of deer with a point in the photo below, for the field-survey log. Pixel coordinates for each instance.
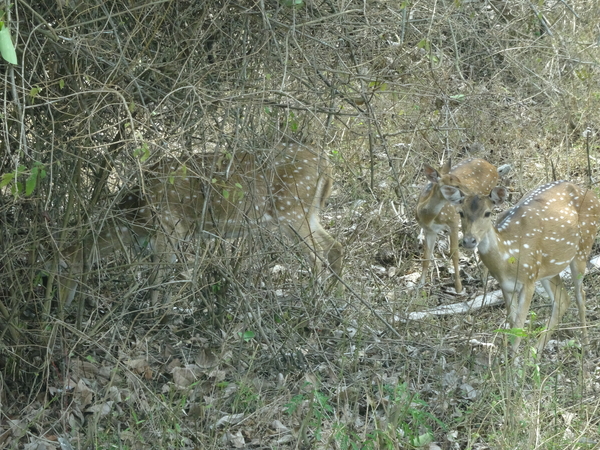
(229, 195)
(550, 228)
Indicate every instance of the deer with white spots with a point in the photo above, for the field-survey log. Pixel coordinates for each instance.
(220, 196)
(436, 214)
(552, 227)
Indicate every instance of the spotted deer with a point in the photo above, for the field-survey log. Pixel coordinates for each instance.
(436, 214)
(552, 227)
(217, 195)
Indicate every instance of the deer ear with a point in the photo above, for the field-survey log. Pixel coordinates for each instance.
(504, 170)
(452, 194)
(431, 174)
(447, 166)
(498, 195)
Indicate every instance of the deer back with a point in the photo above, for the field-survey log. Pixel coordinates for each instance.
(225, 193)
(539, 236)
(221, 194)
(476, 176)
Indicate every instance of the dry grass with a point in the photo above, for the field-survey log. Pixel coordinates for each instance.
(246, 350)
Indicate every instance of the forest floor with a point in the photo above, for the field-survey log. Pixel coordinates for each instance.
(274, 361)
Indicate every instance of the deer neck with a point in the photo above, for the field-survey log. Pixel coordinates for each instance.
(495, 251)
(431, 203)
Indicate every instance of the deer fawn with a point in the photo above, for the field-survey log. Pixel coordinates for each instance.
(550, 228)
(218, 195)
(436, 214)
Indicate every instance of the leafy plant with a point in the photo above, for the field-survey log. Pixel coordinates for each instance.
(316, 412)
(143, 152)
(246, 399)
(407, 417)
(247, 335)
(37, 172)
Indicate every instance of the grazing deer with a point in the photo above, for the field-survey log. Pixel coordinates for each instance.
(217, 195)
(436, 214)
(552, 227)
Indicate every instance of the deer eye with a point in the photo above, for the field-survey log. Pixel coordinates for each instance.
(487, 214)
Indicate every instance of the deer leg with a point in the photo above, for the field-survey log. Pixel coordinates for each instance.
(560, 303)
(309, 242)
(455, 257)
(316, 245)
(428, 245)
(520, 310)
(79, 258)
(70, 271)
(332, 252)
(509, 302)
(335, 256)
(577, 271)
(163, 254)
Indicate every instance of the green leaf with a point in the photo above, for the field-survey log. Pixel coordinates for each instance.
(225, 194)
(31, 181)
(422, 440)
(41, 171)
(519, 332)
(247, 335)
(6, 179)
(33, 93)
(61, 83)
(17, 188)
(7, 49)
(292, 3)
(143, 152)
